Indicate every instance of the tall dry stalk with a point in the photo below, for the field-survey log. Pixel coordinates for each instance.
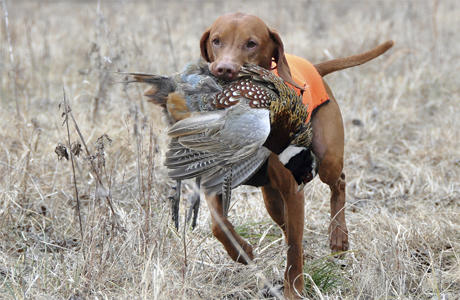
(69, 147)
(14, 68)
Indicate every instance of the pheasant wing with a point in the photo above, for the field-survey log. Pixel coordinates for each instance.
(219, 140)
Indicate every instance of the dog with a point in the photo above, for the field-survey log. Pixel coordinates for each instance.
(237, 39)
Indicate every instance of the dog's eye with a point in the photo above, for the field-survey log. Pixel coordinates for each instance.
(216, 42)
(251, 44)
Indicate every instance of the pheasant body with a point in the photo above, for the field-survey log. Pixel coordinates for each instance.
(231, 128)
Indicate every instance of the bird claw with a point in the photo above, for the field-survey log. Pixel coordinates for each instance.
(193, 210)
(174, 210)
(195, 204)
(175, 200)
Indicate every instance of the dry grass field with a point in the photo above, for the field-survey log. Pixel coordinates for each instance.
(401, 114)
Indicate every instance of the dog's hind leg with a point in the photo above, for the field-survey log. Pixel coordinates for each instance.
(328, 145)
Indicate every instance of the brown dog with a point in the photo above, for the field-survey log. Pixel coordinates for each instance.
(237, 39)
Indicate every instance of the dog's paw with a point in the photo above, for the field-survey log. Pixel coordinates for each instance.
(247, 257)
(338, 234)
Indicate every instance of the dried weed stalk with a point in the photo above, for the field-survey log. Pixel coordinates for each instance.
(65, 114)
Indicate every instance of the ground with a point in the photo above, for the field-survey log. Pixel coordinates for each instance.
(402, 160)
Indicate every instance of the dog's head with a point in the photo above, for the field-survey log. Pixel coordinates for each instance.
(237, 39)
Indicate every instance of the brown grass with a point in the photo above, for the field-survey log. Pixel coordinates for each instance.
(402, 156)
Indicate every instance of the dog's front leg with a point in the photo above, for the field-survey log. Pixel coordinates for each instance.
(238, 249)
(294, 216)
(282, 180)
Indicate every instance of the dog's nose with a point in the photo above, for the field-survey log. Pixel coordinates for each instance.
(225, 70)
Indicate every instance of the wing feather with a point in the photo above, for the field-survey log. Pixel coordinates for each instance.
(207, 144)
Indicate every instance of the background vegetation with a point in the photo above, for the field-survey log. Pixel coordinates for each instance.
(401, 114)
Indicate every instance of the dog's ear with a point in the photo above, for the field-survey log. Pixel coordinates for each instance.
(280, 60)
(204, 45)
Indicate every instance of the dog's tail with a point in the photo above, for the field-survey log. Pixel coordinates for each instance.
(161, 86)
(333, 65)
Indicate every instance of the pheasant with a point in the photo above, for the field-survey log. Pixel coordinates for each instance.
(226, 130)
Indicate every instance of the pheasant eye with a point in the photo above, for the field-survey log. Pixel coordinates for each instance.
(216, 42)
(251, 44)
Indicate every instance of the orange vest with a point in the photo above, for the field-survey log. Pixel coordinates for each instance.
(304, 74)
